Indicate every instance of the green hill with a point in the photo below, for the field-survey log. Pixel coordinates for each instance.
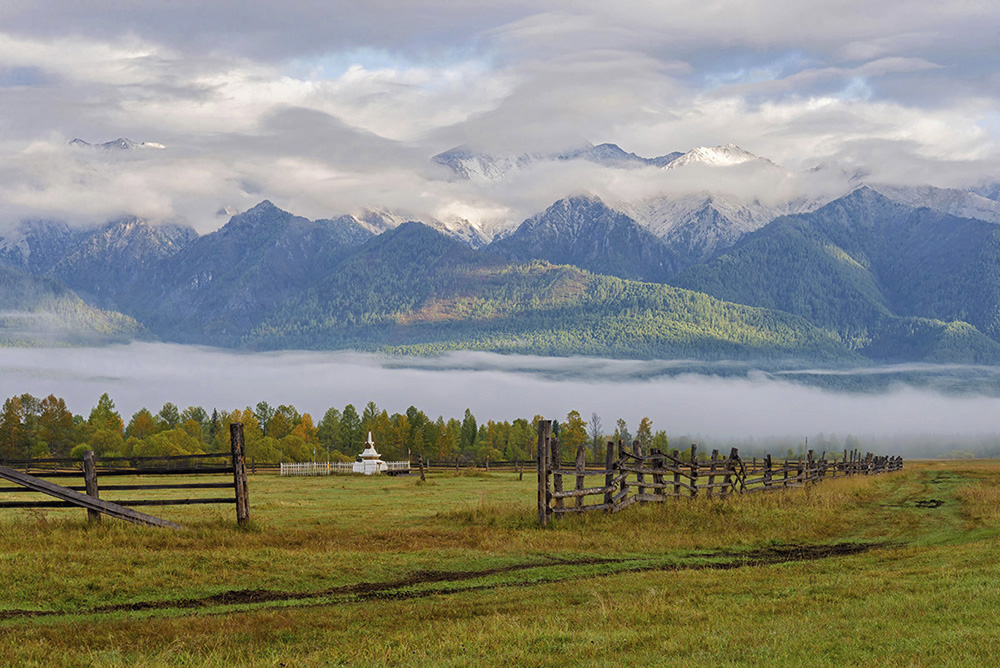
(414, 290)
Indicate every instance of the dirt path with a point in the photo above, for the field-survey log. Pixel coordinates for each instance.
(402, 588)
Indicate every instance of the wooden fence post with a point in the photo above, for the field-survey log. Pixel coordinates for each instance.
(694, 470)
(727, 478)
(239, 473)
(557, 478)
(90, 480)
(677, 474)
(767, 471)
(609, 476)
(520, 470)
(581, 466)
(658, 477)
(711, 472)
(544, 431)
(420, 463)
(623, 488)
(640, 478)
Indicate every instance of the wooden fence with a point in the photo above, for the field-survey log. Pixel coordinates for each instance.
(630, 476)
(34, 476)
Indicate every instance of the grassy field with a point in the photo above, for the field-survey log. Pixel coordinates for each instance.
(391, 571)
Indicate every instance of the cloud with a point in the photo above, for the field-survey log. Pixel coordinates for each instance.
(329, 108)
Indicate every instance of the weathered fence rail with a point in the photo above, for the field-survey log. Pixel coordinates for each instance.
(631, 476)
(32, 476)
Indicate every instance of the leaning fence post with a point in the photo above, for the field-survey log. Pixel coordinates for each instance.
(544, 430)
(239, 473)
(90, 480)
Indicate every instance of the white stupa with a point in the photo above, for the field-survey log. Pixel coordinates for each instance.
(368, 461)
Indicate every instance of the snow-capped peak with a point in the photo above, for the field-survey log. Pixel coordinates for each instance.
(722, 156)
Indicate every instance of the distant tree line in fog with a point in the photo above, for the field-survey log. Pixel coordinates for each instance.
(32, 427)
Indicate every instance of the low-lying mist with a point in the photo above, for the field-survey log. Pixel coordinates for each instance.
(720, 403)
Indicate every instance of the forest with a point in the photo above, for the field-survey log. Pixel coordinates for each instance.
(31, 427)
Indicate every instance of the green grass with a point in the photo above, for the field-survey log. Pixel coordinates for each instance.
(388, 571)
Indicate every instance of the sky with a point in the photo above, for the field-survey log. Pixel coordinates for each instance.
(328, 107)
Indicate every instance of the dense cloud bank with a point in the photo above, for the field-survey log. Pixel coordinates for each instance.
(494, 386)
(326, 108)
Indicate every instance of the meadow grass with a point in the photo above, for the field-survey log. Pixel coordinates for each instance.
(392, 571)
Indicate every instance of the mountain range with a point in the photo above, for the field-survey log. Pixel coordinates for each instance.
(878, 274)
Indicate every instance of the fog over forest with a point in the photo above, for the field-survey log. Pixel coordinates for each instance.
(495, 387)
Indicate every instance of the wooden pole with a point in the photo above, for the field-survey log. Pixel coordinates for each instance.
(90, 480)
(557, 478)
(544, 432)
(658, 466)
(420, 463)
(609, 476)
(581, 466)
(677, 475)
(711, 472)
(694, 470)
(640, 462)
(239, 473)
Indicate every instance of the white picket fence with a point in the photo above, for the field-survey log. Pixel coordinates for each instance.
(333, 468)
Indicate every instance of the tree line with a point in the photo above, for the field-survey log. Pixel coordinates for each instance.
(32, 427)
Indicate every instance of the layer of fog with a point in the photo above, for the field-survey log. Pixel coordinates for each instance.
(494, 387)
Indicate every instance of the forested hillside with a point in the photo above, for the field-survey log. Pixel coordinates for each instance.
(42, 311)
(892, 281)
(413, 289)
(864, 278)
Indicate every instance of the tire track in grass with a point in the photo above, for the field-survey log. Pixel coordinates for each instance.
(411, 587)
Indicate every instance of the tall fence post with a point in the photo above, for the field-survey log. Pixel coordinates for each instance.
(90, 480)
(609, 476)
(544, 431)
(581, 467)
(640, 462)
(694, 470)
(658, 488)
(677, 474)
(239, 473)
(555, 448)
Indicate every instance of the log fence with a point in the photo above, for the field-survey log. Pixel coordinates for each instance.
(34, 475)
(632, 476)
